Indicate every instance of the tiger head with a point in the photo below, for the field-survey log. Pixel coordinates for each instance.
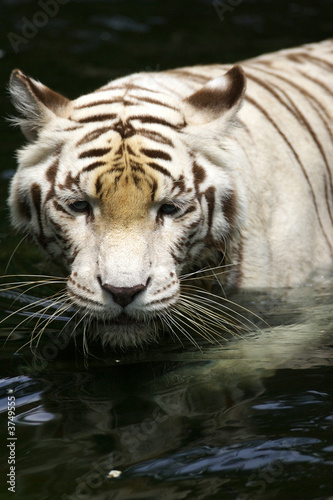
(127, 188)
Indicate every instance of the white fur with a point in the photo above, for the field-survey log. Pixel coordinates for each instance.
(281, 231)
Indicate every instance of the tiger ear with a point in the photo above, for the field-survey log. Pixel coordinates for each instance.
(36, 103)
(220, 98)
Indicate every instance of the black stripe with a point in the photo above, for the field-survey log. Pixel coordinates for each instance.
(301, 90)
(270, 89)
(299, 115)
(320, 62)
(97, 118)
(98, 185)
(199, 174)
(154, 101)
(23, 207)
(94, 152)
(297, 158)
(159, 169)
(127, 86)
(85, 300)
(210, 198)
(190, 209)
(51, 172)
(94, 165)
(188, 74)
(59, 208)
(36, 195)
(322, 152)
(100, 103)
(328, 201)
(317, 82)
(154, 136)
(70, 129)
(229, 208)
(157, 121)
(130, 151)
(179, 185)
(137, 168)
(59, 231)
(92, 135)
(156, 154)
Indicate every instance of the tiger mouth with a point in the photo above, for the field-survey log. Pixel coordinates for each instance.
(124, 320)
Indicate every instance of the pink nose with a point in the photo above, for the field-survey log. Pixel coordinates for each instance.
(123, 295)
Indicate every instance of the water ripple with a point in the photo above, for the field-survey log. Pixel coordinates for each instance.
(121, 23)
(199, 461)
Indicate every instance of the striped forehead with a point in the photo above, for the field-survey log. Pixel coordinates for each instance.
(124, 164)
(123, 177)
(126, 132)
(127, 105)
(125, 142)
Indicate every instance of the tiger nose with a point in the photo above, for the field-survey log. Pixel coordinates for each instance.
(123, 295)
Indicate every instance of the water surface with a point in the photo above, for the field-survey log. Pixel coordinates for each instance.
(251, 418)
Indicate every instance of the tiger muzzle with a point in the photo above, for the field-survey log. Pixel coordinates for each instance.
(123, 296)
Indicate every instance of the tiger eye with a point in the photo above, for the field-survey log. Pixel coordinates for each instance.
(80, 206)
(169, 209)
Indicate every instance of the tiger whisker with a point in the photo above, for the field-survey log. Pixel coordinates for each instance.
(86, 324)
(26, 319)
(71, 319)
(166, 319)
(31, 316)
(179, 317)
(198, 322)
(13, 286)
(40, 313)
(217, 306)
(37, 337)
(29, 306)
(62, 301)
(216, 319)
(189, 276)
(183, 331)
(49, 276)
(205, 320)
(14, 251)
(226, 317)
(86, 319)
(32, 287)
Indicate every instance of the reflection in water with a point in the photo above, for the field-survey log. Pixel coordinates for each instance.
(250, 419)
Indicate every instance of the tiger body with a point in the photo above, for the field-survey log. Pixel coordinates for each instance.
(155, 174)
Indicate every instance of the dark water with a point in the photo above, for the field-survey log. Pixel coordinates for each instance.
(249, 419)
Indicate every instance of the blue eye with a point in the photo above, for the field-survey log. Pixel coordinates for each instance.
(169, 209)
(80, 206)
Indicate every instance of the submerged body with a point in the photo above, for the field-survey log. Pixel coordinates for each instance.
(156, 175)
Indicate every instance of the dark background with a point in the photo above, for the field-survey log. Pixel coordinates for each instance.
(79, 43)
(70, 418)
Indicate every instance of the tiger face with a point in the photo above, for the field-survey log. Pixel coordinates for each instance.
(122, 188)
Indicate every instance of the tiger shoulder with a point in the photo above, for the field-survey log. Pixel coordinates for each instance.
(277, 146)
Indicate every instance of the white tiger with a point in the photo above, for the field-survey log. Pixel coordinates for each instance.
(155, 174)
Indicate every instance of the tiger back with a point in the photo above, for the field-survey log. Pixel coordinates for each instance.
(156, 175)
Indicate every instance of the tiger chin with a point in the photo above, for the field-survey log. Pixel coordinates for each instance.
(137, 187)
